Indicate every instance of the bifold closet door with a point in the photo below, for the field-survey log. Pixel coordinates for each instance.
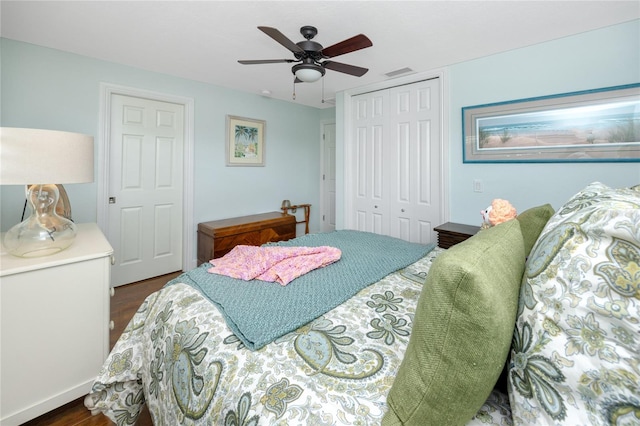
(369, 167)
(395, 160)
(414, 193)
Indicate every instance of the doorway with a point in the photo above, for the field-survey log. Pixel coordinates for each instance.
(145, 188)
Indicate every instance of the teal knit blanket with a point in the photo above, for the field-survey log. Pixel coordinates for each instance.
(259, 312)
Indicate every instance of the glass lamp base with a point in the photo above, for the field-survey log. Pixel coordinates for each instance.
(24, 240)
(44, 233)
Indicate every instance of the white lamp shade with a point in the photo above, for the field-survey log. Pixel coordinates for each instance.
(35, 156)
(308, 75)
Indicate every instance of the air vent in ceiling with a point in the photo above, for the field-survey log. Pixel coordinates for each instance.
(401, 71)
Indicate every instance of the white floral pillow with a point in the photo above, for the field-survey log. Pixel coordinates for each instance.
(575, 356)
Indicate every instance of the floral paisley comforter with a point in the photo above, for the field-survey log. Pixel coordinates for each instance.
(178, 356)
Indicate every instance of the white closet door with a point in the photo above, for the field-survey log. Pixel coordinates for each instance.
(370, 180)
(394, 166)
(414, 120)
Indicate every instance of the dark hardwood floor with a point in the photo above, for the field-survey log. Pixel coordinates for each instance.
(124, 304)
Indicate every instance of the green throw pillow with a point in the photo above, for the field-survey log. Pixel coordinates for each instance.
(532, 222)
(462, 330)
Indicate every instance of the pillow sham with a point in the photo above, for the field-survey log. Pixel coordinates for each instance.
(462, 330)
(575, 349)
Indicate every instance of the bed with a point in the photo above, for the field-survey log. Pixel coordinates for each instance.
(191, 360)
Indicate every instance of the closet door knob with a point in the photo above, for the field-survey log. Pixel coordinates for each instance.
(402, 210)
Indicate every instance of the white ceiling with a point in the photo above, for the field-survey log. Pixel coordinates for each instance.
(202, 40)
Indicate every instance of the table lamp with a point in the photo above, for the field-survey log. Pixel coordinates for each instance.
(42, 159)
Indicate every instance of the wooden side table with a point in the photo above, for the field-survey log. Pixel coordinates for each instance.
(450, 233)
(307, 212)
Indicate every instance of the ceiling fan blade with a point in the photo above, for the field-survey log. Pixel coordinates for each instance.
(349, 45)
(282, 39)
(266, 61)
(345, 68)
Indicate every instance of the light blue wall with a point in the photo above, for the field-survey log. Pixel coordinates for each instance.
(596, 59)
(50, 89)
(46, 88)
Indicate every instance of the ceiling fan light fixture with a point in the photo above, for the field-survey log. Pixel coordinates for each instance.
(308, 72)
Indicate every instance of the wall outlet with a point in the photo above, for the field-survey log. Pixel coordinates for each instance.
(477, 185)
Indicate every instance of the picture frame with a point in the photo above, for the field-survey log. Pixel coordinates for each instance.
(601, 125)
(245, 141)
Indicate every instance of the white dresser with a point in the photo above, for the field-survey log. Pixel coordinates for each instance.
(54, 325)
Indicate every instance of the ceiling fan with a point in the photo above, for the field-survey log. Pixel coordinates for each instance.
(310, 54)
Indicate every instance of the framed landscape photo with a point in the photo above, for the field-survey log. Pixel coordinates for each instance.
(601, 125)
(245, 141)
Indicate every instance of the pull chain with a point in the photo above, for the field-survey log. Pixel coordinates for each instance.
(294, 89)
(322, 89)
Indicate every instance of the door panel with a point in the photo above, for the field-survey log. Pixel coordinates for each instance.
(329, 178)
(145, 221)
(418, 161)
(370, 203)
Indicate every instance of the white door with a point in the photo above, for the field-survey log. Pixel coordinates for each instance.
(329, 177)
(414, 120)
(370, 183)
(394, 171)
(145, 188)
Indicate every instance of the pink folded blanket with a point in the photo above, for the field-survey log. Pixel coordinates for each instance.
(274, 264)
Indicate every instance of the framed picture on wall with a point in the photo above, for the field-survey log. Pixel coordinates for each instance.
(601, 125)
(245, 141)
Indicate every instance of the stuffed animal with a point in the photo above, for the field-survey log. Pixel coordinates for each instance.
(499, 211)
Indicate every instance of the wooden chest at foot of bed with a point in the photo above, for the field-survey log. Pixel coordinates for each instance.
(217, 238)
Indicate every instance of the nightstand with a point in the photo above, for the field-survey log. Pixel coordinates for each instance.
(450, 234)
(54, 325)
